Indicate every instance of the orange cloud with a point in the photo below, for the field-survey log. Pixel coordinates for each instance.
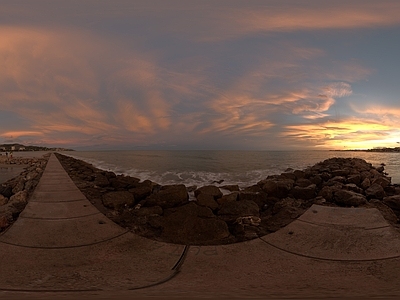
(350, 134)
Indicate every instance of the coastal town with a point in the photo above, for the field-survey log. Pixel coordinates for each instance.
(19, 147)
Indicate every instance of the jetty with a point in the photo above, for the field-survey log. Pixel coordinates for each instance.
(62, 247)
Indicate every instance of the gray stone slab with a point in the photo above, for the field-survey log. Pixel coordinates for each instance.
(127, 262)
(349, 217)
(59, 210)
(59, 233)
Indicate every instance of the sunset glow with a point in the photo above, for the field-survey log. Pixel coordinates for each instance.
(263, 75)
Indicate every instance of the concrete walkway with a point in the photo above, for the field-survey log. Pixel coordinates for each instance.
(62, 247)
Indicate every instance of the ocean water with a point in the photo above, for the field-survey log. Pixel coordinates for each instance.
(201, 168)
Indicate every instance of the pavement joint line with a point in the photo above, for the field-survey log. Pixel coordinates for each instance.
(66, 247)
(176, 270)
(338, 225)
(66, 218)
(330, 259)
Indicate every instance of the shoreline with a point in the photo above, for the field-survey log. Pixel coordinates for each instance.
(167, 213)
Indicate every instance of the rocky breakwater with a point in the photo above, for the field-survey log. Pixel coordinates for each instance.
(227, 214)
(15, 193)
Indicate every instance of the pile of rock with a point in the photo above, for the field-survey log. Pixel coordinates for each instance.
(15, 193)
(226, 214)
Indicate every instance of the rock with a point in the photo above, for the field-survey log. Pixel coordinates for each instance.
(317, 179)
(303, 182)
(101, 180)
(305, 193)
(20, 197)
(209, 190)
(277, 188)
(118, 200)
(384, 209)
(230, 211)
(169, 196)
(3, 200)
(3, 222)
(393, 202)
(148, 211)
(355, 179)
(366, 183)
(141, 190)
(349, 198)
(382, 181)
(327, 192)
(231, 188)
(207, 201)
(186, 226)
(258, 197)
(19, 186)
(6, 191)
(353, 187)
(299, 174)
(228, 198)
(375, 191)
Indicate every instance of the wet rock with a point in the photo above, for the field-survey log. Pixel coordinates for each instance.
(349, 198)
(169, 196)
(258, 197)
(230, 211)
(101, 180)
(393, 202)
(277, 187)
(305, 193)
(375, 191)
(207, 201)
(118, 200)
(209, 190)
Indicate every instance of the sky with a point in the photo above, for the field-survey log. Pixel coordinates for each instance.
(200, 74)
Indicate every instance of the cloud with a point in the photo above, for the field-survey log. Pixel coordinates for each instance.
(352, 133)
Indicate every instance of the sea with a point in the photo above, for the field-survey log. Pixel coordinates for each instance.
(199, 168)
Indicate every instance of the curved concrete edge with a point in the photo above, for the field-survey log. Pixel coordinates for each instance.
(128, 262)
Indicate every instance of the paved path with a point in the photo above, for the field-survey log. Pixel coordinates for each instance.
(61, 246)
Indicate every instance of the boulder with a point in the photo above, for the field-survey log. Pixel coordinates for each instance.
(279, 188)
(148, 211)
(169, 196)
(207, 201)
(393, 202)
(101, 180)
(228, 198)
(327, 192)
(355, 179)
(187, 225)
(230, 211)
(354, 188)
(3, 222)
(118, 199)
(305, 193)
(258, 197)
(366, 183)
(349, 198)
(3, 200)
(303, 182)
(209, 190)
(141, 190)
(231, 188)
(382, 181)
(6, 191)
(375, 191)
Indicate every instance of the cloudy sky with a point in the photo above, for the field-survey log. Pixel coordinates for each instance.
(200, 74)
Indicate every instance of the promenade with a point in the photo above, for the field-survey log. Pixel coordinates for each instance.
(63, 247)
